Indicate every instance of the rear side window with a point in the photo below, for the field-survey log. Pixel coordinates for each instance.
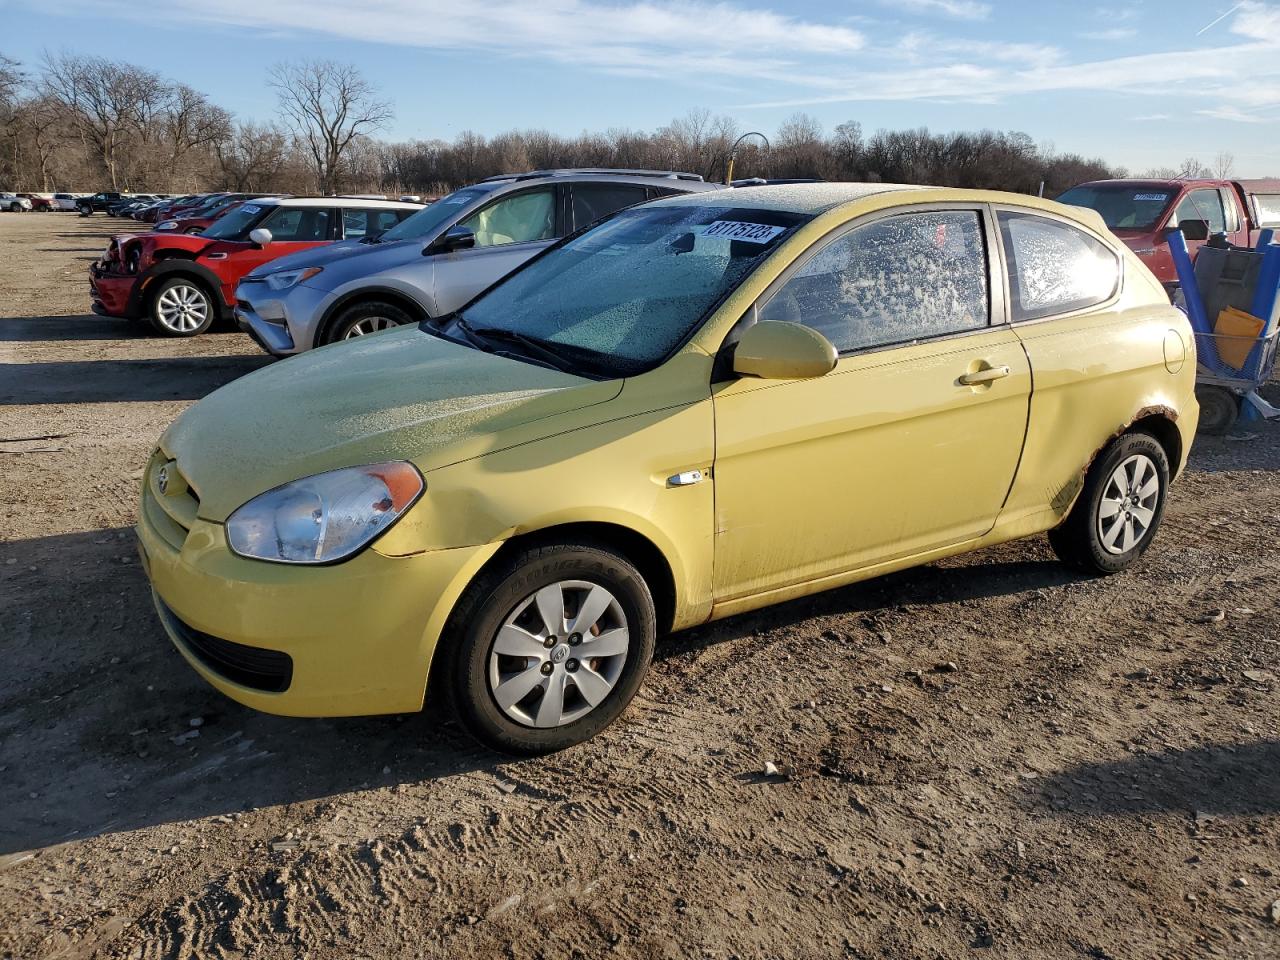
(1054, 267)
(892, 281)
(591, 201)
(363, 223)
(1267, 208)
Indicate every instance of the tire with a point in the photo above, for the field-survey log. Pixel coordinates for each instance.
(364, 318)
(1219, 409)
(85, 210)
(1096, 544)
(180, 307)
(506, 606)
(15, 208)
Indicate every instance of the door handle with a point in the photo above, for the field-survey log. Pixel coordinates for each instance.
(984, 376)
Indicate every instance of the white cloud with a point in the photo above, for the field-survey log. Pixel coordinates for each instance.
(1152, 117)
(957, 9)
(1231, 113)
(1258, 21)
(1109, 36)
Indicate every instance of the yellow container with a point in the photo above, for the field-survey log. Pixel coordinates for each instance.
(1235, 334)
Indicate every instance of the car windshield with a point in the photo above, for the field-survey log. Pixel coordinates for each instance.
(1124, 206)
(619, 298)
(235, 223)
(428, 221)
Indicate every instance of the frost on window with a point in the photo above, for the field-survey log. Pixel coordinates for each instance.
(892, 281)
(1055, 268)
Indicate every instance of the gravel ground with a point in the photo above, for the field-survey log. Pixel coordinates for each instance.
(986, 757)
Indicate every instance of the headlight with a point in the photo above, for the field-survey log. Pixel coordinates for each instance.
(167, 225)
(325, 518)
(285, 279)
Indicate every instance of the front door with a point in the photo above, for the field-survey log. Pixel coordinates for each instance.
(911, 443)
(508, 232)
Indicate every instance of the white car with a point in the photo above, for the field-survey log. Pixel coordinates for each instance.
(14, 203)
(66, 201)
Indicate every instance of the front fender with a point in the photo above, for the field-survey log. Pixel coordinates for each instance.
(173, 267)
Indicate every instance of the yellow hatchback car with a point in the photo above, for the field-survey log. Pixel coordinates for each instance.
(701, 406)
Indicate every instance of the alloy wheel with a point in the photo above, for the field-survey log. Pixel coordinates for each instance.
(367, 325)
(1128, 504)
(182, 308)
(558, 654)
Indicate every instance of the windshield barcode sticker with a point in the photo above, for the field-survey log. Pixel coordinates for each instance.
(1150, 196)
(740, 230)
(250, 208)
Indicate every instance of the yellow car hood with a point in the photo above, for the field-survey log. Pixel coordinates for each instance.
(403, 395)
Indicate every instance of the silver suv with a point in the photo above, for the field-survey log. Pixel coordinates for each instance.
(436, 260)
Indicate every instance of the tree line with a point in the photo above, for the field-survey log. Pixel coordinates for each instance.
(85, 122)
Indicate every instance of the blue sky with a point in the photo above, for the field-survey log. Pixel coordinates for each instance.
(1141, 84)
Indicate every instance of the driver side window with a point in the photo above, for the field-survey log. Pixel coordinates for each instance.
(892, 281)
(521, 218)
(298, 223)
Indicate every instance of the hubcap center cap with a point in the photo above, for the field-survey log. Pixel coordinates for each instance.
(559, 653)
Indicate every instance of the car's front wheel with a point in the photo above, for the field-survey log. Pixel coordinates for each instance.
(181, 308)
(548, 649)
(1119, 510)
(365, 318)
(85, 209)
(15, 208)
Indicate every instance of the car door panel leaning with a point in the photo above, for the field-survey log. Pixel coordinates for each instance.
(581, 424)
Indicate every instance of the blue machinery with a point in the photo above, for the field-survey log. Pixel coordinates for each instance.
(1224, 391)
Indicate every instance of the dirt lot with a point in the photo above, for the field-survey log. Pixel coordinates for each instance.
(986, 757)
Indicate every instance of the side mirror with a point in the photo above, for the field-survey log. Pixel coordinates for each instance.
(260, 236)
(1194, 229)
(778, 350)
(455, 238)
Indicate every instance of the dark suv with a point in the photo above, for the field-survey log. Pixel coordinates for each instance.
(97, 203)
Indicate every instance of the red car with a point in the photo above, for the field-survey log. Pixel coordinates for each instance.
(200, 219)
(40, 203)
(181, 282)
(1139, 212)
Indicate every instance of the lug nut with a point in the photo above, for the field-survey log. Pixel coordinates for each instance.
(549, 642)
(571, 665)
(547, 668)
(575, 639)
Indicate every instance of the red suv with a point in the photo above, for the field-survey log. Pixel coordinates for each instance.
(181, 283)
(1139, 211)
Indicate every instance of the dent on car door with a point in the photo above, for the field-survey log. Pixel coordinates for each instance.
(905, 446)
(508, 232)
(1093, 360)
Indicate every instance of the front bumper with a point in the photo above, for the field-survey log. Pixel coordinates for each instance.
(112, 295)
(358, 636)
(281, 322)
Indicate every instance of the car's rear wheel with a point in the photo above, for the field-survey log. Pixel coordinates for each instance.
(547, 650)
(85, 209)
(180, 307)
(1116, 516)
(365, 318)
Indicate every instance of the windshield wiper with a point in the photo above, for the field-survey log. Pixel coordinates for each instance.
(532, 347)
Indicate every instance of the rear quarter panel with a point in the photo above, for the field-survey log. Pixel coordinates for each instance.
(1093, 375)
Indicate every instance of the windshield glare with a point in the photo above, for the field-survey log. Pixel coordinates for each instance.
(1123, 206)
(236, 222)
(621, 297)
(427, 221)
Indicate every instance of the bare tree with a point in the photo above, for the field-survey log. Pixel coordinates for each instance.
(189, 123)
(106, 102)
(252, 157)
(328, 105)
(39, 122)
(10, 80)
(1224, 165)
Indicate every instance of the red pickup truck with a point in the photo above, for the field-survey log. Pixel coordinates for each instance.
(1139, 211)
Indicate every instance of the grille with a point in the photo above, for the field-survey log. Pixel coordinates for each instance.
(172, 511)
(267, 670)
